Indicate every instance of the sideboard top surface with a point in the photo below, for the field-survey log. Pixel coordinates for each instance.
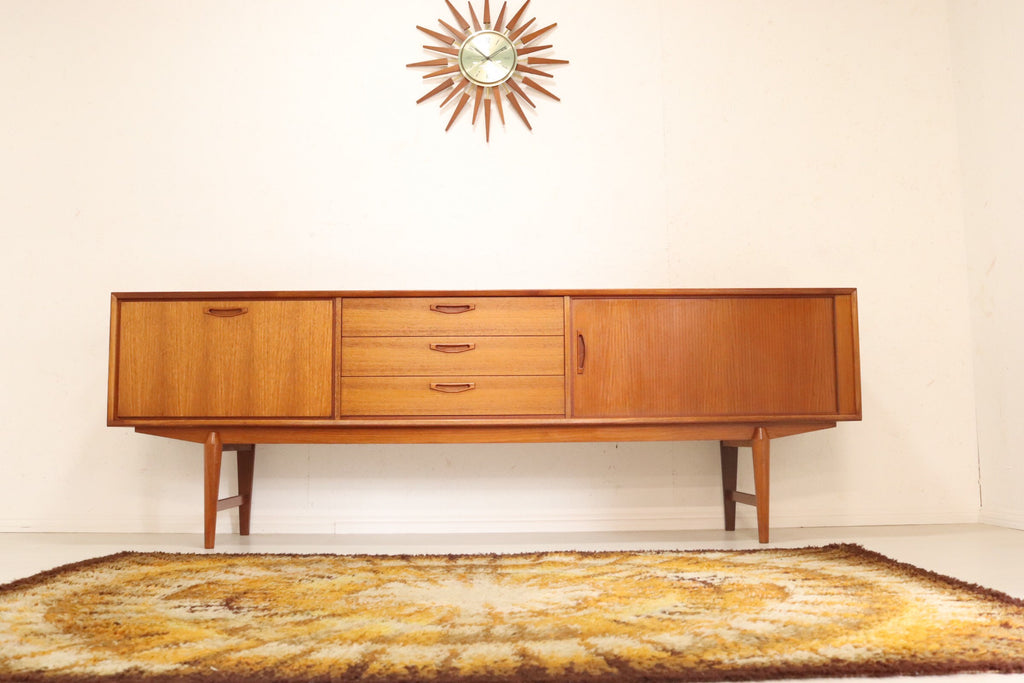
(332, 294)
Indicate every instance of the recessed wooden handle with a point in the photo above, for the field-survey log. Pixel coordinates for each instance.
(226, 312)
(452, 308)
(452, 387)
(452, 348)
(581, 353)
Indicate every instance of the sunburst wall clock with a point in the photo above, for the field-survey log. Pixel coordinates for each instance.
(487, 61)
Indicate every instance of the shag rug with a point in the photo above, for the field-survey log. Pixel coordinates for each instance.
(576, 617)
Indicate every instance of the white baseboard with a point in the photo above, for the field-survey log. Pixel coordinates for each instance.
(1010, 519)
(611, 520)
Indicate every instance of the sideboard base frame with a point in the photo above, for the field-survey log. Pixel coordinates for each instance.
(243, 440)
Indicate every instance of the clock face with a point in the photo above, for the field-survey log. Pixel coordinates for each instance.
(487, 58)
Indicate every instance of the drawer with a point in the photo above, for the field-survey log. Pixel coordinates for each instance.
(401, 356)
(421, 316)
(452, 396)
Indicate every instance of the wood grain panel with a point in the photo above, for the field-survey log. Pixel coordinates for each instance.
(847, 355)
(335, 388)
(413, 316)
(567, 353)
(115, 325)
(704, 356)
(175, 359)
(396, 356)
(413, 396)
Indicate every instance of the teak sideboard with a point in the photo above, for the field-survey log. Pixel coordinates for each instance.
(234, 369)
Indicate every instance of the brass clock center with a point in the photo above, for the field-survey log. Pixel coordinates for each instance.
(487, 58)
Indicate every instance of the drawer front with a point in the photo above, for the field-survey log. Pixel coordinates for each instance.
(397, 356)
(463, 316)
(225, 358)
(452, 396)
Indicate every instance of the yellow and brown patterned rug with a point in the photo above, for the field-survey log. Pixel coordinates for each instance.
(558, 616)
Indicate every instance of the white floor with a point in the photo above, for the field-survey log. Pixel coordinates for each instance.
(986, 555)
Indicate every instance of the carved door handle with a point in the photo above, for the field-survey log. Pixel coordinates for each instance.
(452, 387)
(226, 312)
(452, 348)
(452, 308)
(581, 353)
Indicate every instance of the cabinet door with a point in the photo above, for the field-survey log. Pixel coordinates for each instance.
(726, 356)
(225, 358)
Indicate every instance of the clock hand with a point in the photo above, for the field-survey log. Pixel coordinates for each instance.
(497, 52)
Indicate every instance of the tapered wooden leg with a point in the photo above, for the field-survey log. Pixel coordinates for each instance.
(212, 454)
(246, 466)
(760, 445)
(729, 469)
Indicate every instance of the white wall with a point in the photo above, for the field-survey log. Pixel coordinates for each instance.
(990, 96)
(262, 144)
